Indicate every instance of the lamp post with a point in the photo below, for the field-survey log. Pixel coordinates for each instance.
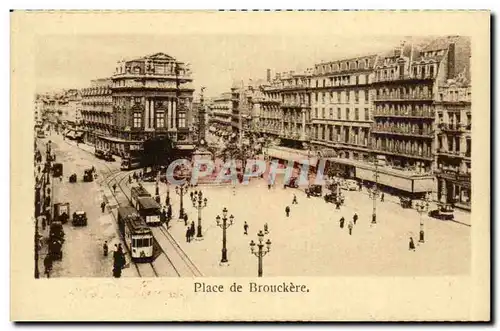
(181, 191)
(260, 253)
(422, 207)
(375, 191)
(202, 203)
(224, 226)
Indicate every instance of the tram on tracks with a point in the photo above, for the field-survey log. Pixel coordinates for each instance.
(137, 192)
(136, 234)
(150, 210)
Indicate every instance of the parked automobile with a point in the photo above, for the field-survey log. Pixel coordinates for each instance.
(79, 218)
(350, 185)
(88, 175)
(57, 170)
(72, 178)
(315, 190)
(443, 212)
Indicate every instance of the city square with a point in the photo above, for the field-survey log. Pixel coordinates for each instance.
(392, 133)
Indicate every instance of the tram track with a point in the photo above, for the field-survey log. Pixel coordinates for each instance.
(183, 266)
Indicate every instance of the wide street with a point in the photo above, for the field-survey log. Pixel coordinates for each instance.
(82, 250)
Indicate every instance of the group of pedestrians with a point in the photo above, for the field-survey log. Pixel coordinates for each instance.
(351, 224)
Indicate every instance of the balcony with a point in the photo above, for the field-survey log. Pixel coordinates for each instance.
(291, 104)
(453, 128)
(413, 114)
(423, 156)
(395, 132)
(405, 97)
(447, 152)
(399, 78)
(453, 173)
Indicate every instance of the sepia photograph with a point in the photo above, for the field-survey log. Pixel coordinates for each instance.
(255, 158)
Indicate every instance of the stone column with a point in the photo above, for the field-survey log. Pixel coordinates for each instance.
(168, 118)
(146, 114)
(174, 113)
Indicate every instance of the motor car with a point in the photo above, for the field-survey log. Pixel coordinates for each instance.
(350, 185)
(79, 218)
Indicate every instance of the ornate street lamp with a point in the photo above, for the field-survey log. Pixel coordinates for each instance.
(260, 252)
(181, 191)
(224, 226)
(200, 206)
(422, 207)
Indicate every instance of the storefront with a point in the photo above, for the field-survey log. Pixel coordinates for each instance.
(454, 188)
(119, 146)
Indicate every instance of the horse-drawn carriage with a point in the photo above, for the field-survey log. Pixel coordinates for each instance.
(57, 170)
(335, 198)
(61, 212)
(72, 178)
(315, 190)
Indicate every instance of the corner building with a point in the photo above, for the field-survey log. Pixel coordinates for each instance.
(152, 97)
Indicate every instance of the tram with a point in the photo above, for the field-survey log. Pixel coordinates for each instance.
(129, 163)
(138, 192)
(150, 210)
(136, 234)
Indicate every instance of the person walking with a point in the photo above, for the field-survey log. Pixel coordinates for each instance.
(245, 228)
(192, 229)
(188, 234)
(411, 245)
(287, 211)
(185, 217)
(105, 248)
(355, 218)
(191, 195)
(342, 221)
(382, 197)
(47, 263)
(114, 187)
(350, 226)
(103, 206)
(294, 201)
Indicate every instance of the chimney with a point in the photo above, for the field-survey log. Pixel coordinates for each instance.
(268, 75)
(451, 61)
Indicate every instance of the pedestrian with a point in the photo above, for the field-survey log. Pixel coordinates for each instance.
(360, 186)
(287, 211)
(188, 234)
(355, 218)
(47, 262)
(192, 229)
(191, 195)
(411, 245)
(103, 206)
(337, 204)
(266, 229)
(129, 179)
(105, 248)
(382, 197)
(114, 187)
(268, 186)
(350, 226)
(342, 220)
(245, 228)
(294, 202)
(185, 217)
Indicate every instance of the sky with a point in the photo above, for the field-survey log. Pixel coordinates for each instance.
(71, 61)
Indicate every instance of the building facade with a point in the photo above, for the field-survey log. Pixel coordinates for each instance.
(453, 138)
(341, 106)
(97, 114)
(152, 97)
(221, 110)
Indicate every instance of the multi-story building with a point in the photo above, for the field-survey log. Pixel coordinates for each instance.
(152, 97)
(38, 111)
(97, 114)
(269, 119)
(221, 109)
(453, 155)
(341, 106)
(70, 108)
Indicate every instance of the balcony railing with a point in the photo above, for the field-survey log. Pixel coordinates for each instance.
(398, 132)
(401, 152)
(404, 97)
(453, 127)
(412, 114)
(395, 78)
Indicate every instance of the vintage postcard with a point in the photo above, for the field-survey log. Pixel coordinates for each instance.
(250, 166)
